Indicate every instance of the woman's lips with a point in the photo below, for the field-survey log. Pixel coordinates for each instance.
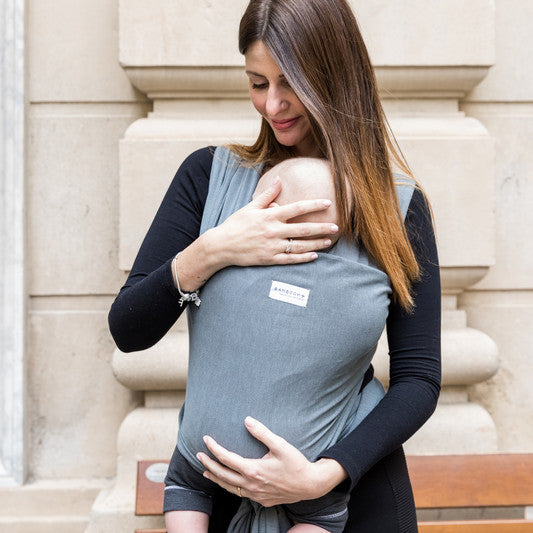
(283, 125)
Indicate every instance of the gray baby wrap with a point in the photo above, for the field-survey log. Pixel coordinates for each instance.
(288, 345)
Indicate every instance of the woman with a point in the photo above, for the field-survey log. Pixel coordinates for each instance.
(312, 83)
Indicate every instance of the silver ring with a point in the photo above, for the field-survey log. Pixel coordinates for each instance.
(239, 492)
(289, 246)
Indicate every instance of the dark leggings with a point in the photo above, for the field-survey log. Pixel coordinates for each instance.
(382, 501)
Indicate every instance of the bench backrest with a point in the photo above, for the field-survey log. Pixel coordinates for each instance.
(490, 480)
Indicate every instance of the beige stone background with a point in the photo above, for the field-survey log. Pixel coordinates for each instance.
(119, 92)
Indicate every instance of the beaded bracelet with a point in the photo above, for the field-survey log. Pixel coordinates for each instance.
(192, 296)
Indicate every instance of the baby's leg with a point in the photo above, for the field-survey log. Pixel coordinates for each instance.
(186, 522)
(304, 528)
(188, 497)
(327, 514)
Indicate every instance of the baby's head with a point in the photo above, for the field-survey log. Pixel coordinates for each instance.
(303, 178)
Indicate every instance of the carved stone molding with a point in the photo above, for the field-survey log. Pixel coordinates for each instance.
(230, 82)
(162, 367)
(189, 82)
(457, 279)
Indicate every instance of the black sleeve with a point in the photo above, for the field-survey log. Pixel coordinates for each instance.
(415, 367)
(147, 305)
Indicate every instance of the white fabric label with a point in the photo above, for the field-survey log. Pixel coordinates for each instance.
(290, 294)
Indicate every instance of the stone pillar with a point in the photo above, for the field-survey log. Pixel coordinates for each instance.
(148, 432)
(184, 58)
(12, 265)
(501, 304)
(423, 78)
(453, 157)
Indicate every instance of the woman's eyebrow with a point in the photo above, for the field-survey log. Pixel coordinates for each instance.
(255, 74)
(251, 73)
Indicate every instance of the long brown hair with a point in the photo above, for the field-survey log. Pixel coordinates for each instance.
(319, 48)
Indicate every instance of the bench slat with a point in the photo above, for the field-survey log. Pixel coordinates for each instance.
(478, 526)
(438, 481)
(491, 480)
(500, 526)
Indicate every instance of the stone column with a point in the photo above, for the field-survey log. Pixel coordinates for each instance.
(501, 304)
(12, 278)
(453, 157)
(423, 78)
(183, 57)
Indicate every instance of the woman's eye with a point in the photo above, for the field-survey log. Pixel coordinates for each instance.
(259, 86)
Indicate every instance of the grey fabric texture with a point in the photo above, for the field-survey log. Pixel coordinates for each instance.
(260, 344)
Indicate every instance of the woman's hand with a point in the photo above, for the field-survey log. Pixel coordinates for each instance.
(281, 476)
(258, 233)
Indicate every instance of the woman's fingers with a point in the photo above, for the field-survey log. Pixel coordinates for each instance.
(309, 245)
(230, 487)
(302, 207)
(263, 434)
(301, 251)
(283, 475)
(222, 473)
(258, 235)
(264, 199)
(300, 230)
(230, 459)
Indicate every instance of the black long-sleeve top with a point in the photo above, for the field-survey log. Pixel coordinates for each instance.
(147, 306)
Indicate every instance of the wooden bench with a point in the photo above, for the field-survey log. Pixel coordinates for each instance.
(439, 482)
(479, 481)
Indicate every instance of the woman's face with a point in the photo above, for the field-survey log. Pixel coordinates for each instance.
(275, 100)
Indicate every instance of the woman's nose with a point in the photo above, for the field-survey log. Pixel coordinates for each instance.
(276, 102)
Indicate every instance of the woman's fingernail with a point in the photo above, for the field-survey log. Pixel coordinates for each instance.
(327, 203)
(249, 421)
(199, 457)
(206, 438)
(334, 228)
(205, 475)
(314, 255)
(327, 242)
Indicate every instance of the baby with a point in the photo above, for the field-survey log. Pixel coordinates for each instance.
(303, 178)
(186, 488)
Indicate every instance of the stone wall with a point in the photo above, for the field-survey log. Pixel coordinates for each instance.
(119, 92)
(80, 104)
(502, 303)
